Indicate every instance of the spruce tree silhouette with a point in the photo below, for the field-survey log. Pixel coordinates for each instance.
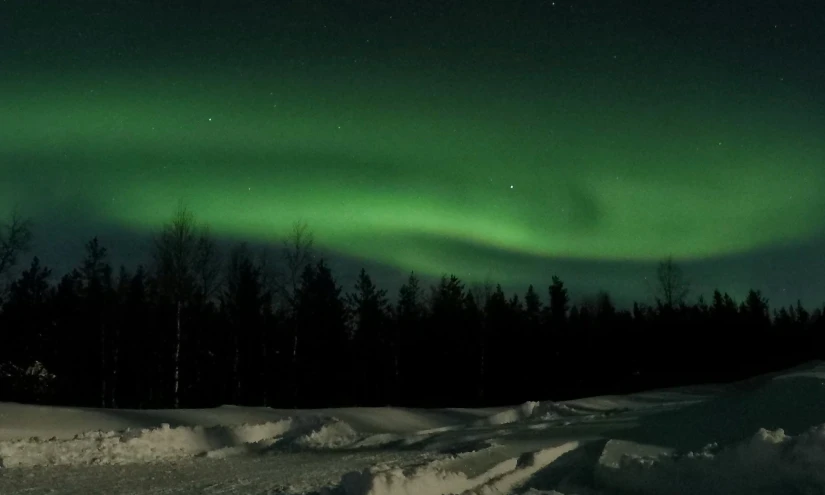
(477, 342)
(557, 331)
(532, 306)
(445, 372)
(98, 345)
(69, 317)
(559, 303)
(246, 303)
(408, 346)
(498, 316)
(372, 352)
(138, 337)
(323, 357)
(93, 339)
(536, 344)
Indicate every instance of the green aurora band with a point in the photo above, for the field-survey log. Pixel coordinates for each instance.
(417, 171)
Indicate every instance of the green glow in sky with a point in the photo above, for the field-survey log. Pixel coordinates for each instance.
(408, 169)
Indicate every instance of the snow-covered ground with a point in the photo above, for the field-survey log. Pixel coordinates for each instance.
(765, 435)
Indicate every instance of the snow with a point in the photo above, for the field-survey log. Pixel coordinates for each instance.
(502, 478)
(765, 435)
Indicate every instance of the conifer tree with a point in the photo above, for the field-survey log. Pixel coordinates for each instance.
(246, 302)
(406, 336)
(368, 310)
(322, 357)
(96, 287)
(559, 302)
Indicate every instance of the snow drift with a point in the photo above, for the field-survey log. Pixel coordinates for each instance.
(501, 478)
(768, 462)
(765, 435)
(168, 443)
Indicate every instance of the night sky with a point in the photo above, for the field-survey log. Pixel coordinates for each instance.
(508, 140)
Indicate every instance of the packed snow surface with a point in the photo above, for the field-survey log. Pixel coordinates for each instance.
(765, 435)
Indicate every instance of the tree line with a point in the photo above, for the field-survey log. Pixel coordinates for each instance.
(196, 328)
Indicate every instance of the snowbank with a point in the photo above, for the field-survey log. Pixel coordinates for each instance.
(432, 479)
(171, 443)
(793, 401)
(521, 413)
(768, 462)
(753, 437)
(538, 411)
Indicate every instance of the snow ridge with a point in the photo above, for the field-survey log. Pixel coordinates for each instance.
(168, 443)
(768, 462)
(503, 478)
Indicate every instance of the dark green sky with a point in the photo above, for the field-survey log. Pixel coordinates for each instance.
(510, 140)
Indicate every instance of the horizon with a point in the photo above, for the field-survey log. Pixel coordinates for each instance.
(390, 279)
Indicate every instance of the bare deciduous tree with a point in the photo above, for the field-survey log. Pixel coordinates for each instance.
(298, 252)
(483, 291)
(671, 286)
(186, 266)
(15, 238)
(208, 264)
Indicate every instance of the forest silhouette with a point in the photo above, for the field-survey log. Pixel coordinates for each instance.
(198, 328)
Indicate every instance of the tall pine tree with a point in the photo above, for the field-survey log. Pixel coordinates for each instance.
(407, 343)
(372, 354)
(321, 371)
(247, 302)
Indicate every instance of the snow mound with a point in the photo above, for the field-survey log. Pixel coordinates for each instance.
(556, 410)
(534, 412)
(335, 434)
(516, 414)
(168, 443)
(433, 479)
(769, 462)
(794, 402)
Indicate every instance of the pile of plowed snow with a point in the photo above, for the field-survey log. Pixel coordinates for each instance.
(766, 435)
(535, 411)
(433, 479)
(768, 462)
(658, 456)
(170, 443)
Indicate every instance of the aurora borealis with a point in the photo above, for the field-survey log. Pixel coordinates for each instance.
(564, 135)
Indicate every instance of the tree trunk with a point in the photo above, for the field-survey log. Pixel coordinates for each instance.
(482, 370)
(177, 358)
(263, 370)
(115, 345)
(396, 365)
(236, 378)
(295, 385)
(102, 365)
